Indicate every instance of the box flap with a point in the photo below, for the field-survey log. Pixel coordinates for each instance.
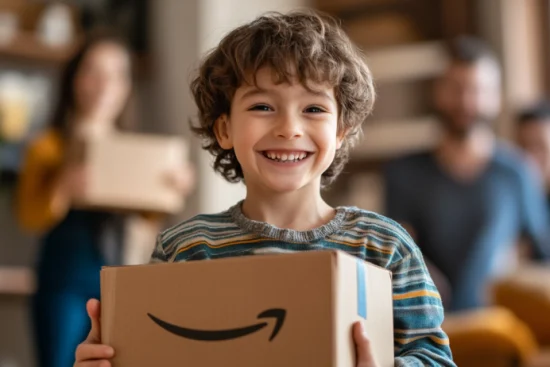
(364, 293)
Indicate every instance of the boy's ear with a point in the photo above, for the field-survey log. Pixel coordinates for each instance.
(222, 131)
(341, 136)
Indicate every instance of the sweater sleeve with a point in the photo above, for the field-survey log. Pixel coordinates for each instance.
(418, 315)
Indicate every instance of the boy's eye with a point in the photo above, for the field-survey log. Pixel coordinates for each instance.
(314, 109)
(260, 107)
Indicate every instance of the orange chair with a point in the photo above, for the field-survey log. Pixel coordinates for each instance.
(542, 359)
(490, 337)
(526, 292)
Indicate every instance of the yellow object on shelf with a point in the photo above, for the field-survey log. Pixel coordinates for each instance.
(14, 120)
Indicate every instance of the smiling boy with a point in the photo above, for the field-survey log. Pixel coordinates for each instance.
(281, 101)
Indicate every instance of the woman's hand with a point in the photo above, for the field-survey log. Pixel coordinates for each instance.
(182, 179)
(74, 181)
(69, 187)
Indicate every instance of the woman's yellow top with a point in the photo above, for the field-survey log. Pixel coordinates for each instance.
(35, 192)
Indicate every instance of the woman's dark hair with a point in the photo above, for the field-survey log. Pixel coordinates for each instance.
(66, 93)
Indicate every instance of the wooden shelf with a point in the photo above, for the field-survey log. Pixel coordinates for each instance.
(425, 14)
(403, 100)
(349, 9)
(16, 280)
(410, 62)
(388, 139)
(27, 48)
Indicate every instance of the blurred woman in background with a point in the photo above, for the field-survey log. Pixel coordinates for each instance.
(75, 243)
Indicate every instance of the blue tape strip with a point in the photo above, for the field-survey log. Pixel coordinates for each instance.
(361, 289)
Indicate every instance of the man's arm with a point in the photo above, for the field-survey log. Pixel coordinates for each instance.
(535, 216)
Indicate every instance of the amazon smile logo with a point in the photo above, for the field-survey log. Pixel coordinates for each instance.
(218, 335)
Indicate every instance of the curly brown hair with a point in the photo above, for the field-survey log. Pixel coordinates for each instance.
(308, 46)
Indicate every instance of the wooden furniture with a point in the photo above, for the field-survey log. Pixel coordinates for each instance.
(403, 46)
(27, 48)
(526, 292)
(490, 337)
(16, 280)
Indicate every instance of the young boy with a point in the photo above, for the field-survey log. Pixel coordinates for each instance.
(281, 100)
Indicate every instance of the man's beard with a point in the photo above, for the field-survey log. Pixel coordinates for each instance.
(461, 131)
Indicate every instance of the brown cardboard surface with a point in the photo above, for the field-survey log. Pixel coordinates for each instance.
(316, 290)
(128, 171)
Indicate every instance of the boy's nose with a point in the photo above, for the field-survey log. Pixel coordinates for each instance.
(288, 127)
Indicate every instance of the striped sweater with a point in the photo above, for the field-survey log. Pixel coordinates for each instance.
(418, 312)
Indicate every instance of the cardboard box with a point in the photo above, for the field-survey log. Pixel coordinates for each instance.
(129, 171)
(284, 310)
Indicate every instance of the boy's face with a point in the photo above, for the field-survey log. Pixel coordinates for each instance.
(284, 136)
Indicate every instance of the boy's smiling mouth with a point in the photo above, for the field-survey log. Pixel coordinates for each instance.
(286, 156)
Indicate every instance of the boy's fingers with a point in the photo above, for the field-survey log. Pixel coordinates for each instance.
(362, 346)
(86, 352)
(94, 309)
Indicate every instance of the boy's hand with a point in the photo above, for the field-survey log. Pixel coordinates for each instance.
(363, 349)
(91, 353)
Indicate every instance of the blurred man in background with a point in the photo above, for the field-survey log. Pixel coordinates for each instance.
(467, 201)
(533, 136)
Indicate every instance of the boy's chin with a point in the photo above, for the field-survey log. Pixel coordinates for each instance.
(282, 187)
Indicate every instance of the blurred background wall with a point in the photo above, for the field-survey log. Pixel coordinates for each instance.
(170, 37)
(402, 40)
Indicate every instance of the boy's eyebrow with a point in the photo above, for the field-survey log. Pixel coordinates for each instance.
(252, 91)
(321, 93)
(257, 90)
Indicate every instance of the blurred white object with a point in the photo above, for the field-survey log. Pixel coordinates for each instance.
(56, 26)
(14, 106)
(139, 243)
(9, 23)
(39, 88)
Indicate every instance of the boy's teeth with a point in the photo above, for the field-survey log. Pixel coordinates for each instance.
(286, 157)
